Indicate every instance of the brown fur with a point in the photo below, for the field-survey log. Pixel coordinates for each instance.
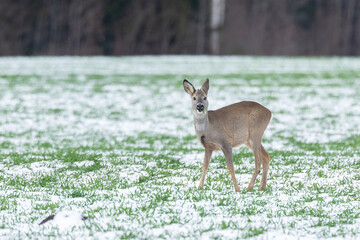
(228, 127)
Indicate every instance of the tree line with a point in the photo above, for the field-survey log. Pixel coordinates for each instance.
(131, 27)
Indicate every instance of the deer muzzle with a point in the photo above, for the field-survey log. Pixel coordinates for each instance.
(200, 108)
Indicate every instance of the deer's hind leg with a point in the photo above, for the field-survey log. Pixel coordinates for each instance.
(266, 165)
(261, 158)
(256, 149)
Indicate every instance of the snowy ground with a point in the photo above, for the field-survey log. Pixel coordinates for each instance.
(113, 139)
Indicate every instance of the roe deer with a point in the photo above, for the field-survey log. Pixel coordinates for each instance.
(228, 127)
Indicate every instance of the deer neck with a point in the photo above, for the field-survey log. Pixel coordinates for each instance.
(201, 123)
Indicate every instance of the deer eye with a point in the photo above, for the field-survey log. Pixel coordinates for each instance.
(204, 98)
(194, 98)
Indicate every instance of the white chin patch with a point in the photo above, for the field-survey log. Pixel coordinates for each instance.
(200, 114)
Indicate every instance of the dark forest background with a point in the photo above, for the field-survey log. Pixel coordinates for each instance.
(127, 27)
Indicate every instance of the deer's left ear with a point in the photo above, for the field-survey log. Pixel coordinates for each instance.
(205, 86)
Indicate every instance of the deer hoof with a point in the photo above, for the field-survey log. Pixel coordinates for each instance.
(249, 189)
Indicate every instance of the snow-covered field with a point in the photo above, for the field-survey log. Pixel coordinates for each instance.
(113, 139)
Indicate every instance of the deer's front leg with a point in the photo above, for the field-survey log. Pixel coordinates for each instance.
(206, 163)
(230, 165)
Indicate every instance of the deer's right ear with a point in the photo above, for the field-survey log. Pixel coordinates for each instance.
(188, 87)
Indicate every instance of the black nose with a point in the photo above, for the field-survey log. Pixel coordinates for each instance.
(200, 107)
